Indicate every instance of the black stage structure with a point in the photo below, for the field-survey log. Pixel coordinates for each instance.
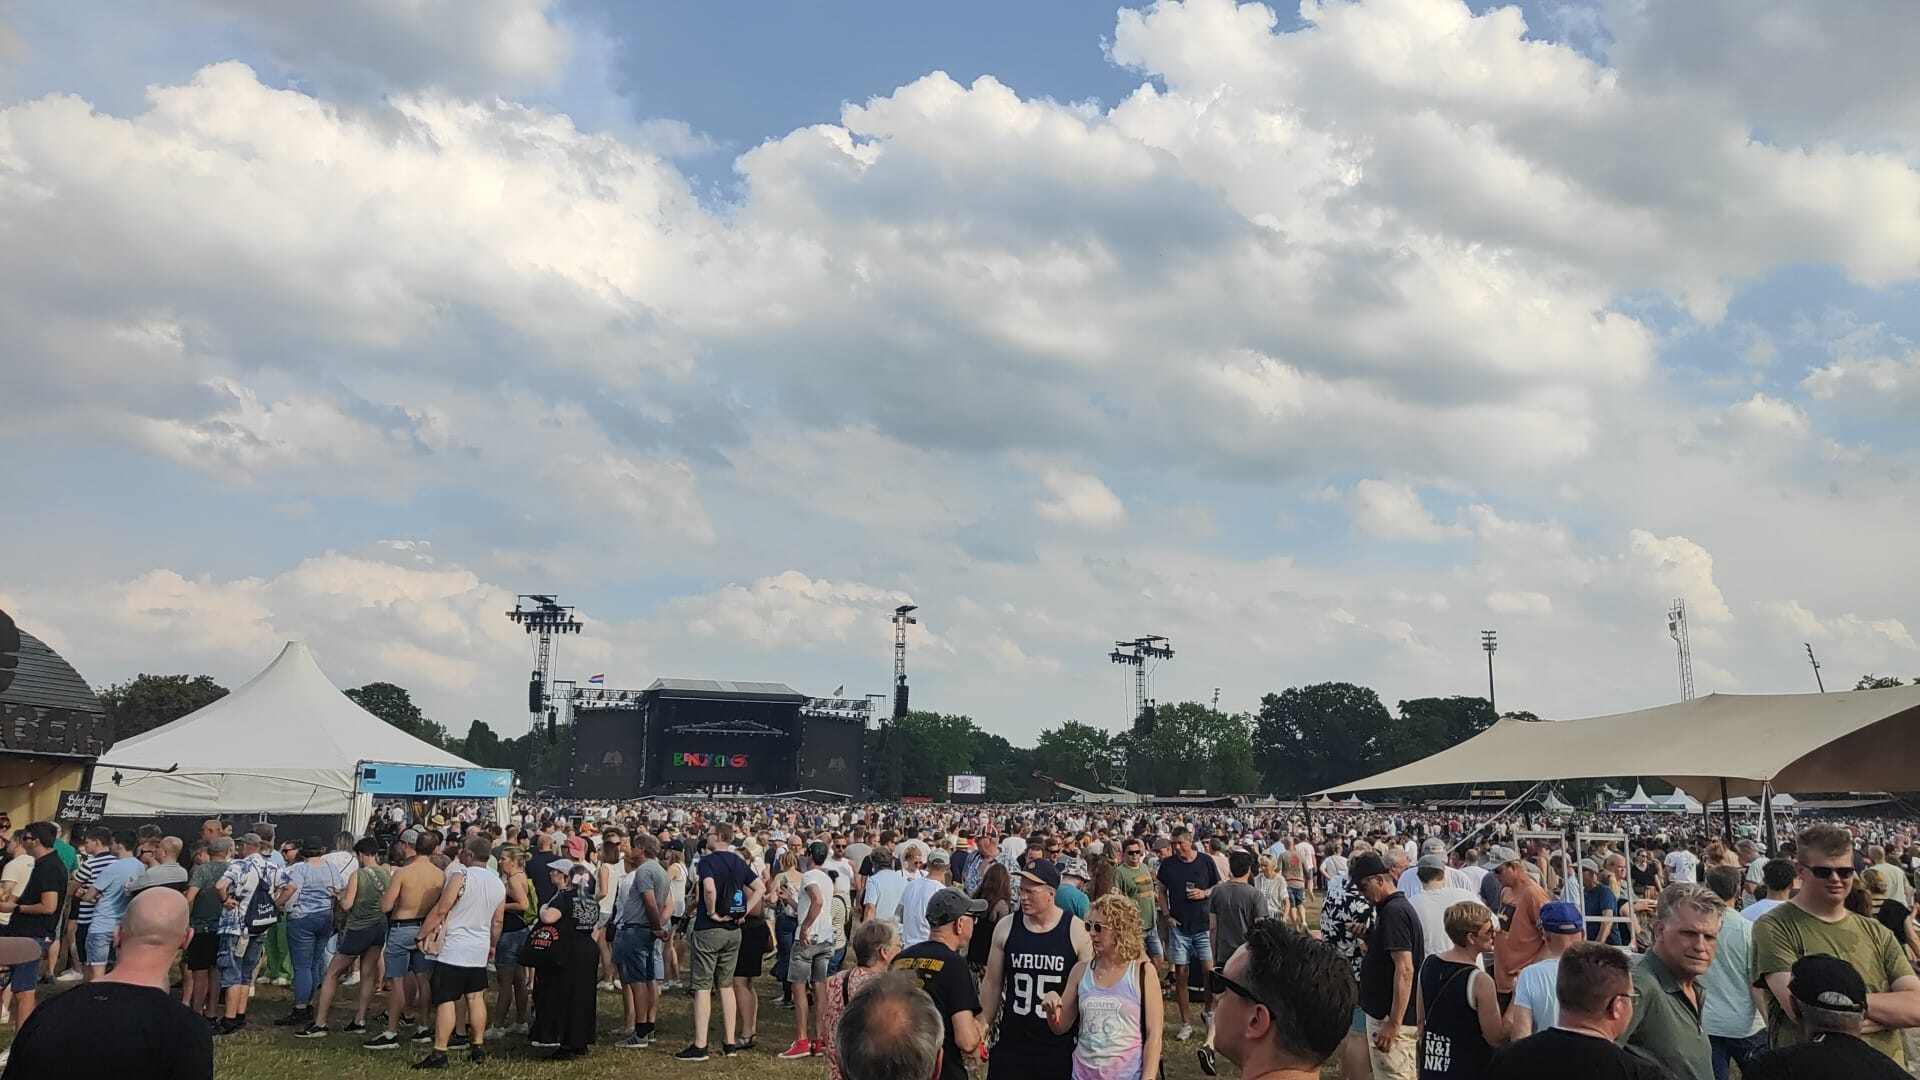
(714, 737)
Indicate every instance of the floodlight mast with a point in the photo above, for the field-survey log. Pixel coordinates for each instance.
(1490, 641)
(1677, 630)
(1136, 654)
(544, 615)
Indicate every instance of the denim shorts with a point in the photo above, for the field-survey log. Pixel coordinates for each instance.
(1153, 946)
(635, 955)
(1297, 894)
(402, 955)
(506, 952)
(24, 977)
(1190, 948)
(1359, 1026)
(99, 947)
(239, 955)
(810, 962)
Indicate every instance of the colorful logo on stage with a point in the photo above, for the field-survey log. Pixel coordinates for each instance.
(709, 761)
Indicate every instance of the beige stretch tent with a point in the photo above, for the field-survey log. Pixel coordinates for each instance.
(1861, 740)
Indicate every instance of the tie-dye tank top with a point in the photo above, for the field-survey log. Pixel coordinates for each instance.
(1111, 1040)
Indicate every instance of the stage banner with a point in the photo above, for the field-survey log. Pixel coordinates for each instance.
(429, 782)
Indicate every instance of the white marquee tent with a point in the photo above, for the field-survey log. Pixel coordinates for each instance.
(285, 743)
(1859, 740)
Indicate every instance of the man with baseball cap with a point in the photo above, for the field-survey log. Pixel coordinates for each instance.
(1536, 1007)
(941, 966)
(1395, 946)
(1521, 942)
(1830, 1008)
(1034, 949)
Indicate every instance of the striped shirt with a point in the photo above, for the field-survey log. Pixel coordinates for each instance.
(83, 875)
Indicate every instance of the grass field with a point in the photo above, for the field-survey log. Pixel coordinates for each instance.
(264, 1052)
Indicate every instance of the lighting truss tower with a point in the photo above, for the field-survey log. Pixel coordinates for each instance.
(540, 614)
(902, 618)
(1138, 654)
(1677, 630)
(1811, 659)
(1490, 641)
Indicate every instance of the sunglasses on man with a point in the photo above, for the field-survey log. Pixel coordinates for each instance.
(1844, 873)
(1220, 984)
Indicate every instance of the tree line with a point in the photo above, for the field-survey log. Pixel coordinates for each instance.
(1302, 739)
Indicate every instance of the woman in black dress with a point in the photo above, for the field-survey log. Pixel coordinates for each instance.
(564, 998)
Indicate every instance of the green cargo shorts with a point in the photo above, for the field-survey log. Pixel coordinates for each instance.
(715, 953)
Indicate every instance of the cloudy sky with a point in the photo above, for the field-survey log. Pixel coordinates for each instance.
(1316, 340)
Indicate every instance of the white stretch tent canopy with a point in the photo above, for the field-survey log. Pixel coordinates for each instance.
(1554, 804)
(1853, 741)
(285, 743)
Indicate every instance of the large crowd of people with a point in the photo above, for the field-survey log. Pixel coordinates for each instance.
(915, 942)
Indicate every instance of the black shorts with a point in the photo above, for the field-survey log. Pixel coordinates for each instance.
(202, 950)
(754, 936)
(357, 942)
(450, 983)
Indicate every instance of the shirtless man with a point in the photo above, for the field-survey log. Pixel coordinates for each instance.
(410, 896)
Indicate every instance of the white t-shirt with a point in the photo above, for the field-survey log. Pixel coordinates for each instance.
(816, 878)
(470, 923)
(343, 864)
(842, 876)
(1334, 867)
(1456, 878)
(1534, 988)
(883, 892)
(1431, 906)
(1682, 865)
(15, 875)
(913, 910)
(1753, 911)
(1013, 847)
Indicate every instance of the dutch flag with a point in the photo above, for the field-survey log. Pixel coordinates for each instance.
(597, 679)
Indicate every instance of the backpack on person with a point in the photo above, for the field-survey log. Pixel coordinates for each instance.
(262, 912)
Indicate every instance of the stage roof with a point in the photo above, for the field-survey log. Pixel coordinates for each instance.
(1852, 741)
(724, 688)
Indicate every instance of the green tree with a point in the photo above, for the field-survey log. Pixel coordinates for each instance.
(1877, 682)
(483, 746)
(1306, 738)
(1193, 746)
(1430, 725)
(145, 702)
(1080, 754)
(395, 705)
(1008, 768)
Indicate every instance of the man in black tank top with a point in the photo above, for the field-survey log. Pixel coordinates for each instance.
(1034, 949)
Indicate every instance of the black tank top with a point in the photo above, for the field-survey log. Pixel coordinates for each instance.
(1036, 965)
(1452, 1045)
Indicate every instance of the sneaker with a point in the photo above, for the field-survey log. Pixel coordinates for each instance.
(520, 1029)
(635, 1042)
(496, 1033)
(231, 1024)
(728, 1049)
(68, 976)
(352, 979)
(1186, 1032)
(476, 1055)
(800, 1048)
(1209, 1061)
(312, 1031)
(386, 1040)
(435, 1060)
(283, 981)
(751, 1042)
(423, 1034)
(355, 1028)
(538, 1045)
(692, 1053)
(460, 1041)
(295, 1018)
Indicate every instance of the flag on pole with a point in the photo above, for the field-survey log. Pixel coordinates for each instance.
(841, 689)
(597, 679)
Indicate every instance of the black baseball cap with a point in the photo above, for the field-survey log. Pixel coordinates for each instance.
(1042, 872)
(1828, 982)
(1366, 865)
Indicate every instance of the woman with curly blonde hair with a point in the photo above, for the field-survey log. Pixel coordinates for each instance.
(1115, 998)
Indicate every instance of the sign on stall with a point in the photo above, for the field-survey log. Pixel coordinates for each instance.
(433, 782)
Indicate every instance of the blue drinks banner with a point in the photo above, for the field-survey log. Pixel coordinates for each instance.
(428, 782)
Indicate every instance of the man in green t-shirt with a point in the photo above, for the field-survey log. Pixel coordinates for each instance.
(203, 916)
(1136, 881)
(1816, 922)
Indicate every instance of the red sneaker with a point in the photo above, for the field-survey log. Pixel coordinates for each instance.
(800, 1048)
